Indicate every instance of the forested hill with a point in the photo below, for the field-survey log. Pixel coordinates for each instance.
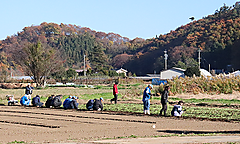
(214, 34)
(217, 35)
(72, 42)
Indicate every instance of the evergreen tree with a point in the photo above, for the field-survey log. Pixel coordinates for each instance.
(192, 71)
(98, 59)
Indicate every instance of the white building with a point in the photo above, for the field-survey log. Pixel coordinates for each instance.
(121, 70)
(172, 72)
(205, 73)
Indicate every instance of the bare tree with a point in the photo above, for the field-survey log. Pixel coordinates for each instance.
(39, 61)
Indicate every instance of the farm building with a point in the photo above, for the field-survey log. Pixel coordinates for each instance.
(121, 70)
(205, 73)
(172, 72)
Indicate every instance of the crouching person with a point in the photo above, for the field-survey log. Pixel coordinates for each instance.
(57, 101)
(177, 109)
(25, 101)
(89, 104)
(66, 103)
(74, 103)
(97, 105)
(49, 101)
(36, 101)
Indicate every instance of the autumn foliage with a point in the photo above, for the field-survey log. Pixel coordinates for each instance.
(214, 34)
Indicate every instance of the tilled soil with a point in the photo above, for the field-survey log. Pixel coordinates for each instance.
(44, 125)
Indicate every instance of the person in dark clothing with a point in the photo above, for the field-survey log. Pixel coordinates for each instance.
(28, 92)
(164, 100)
(57, 101)
(177, 109)
(97, 105)
(49, 101)
(115, 93)
(89, 104)
(28, 89)
(36, 101)
(73, 103)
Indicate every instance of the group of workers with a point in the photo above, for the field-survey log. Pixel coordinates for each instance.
(96, 104)
(176, 111)
(55, 101)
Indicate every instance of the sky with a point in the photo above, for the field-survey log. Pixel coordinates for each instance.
(129, 18)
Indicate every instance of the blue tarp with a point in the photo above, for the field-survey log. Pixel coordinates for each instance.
(157, 81)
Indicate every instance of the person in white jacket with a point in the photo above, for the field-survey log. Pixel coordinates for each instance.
(177, 109)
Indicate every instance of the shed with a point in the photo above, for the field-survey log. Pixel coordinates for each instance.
(121, 70)
(205, 73)
(172, 72)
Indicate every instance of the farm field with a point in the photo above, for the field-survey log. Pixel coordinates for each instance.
(205, 116)
(31, 125)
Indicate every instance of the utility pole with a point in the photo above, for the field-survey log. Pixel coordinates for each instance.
(199, 58)
(165, 58)
(84, 71)
(11, 72)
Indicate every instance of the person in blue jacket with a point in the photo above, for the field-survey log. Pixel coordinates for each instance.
(66, 103)
(146, 99)
(74, 103)
(24, 101)
(89, 104)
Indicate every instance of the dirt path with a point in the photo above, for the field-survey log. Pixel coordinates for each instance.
(44, 125)
(174, 140)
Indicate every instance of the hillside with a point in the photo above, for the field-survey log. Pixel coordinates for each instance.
(73, 42)
(217, 36)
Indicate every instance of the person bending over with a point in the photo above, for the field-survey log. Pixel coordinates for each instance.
(97, 105)
(57, 101)
(49, 101)
(177, 109)
(24, 101)
(89, 104)
(36, 101)
(74, 103)
(66, 103)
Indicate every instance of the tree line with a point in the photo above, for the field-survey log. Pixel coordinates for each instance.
(216, 35)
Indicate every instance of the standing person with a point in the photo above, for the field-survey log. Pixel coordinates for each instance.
(36, 101)
(57, 101)
(146, 99)
(24, 101)
(28, 92)
(164, 100)
(177, 109)
(115, 92)
(97, 105)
